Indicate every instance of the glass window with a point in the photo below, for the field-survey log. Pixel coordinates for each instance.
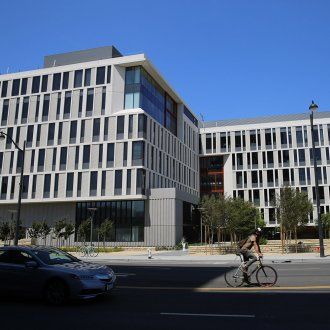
(103, 183)
(140, 181)
(125, 154)
(15, 87)
(4, 88)
(59, 137)
(25, 109)
(110, 154)
(58, 105)
(78, 78)
(86, 156)
(104, 95)
(128, 182)
(38, 135)
(93, 184)
(36, 84)
(54, 159)
(41, 160)
(51, 133)
(100, 75)
(109, 74)
(63, 158)
(24, 86)
(56, 81)
(34, 186)
(100, 155)
(69, 185)
(67, 105)
(47, 186)
(142, 126)
(130, 126)
(73, 131)
(5, 108)
(90, 102)
(45, 107)
(87, 80)
(96, 129)
(284, 140)
(44, 83)
(56, 185)
(106, 128)
(65, 82)
(137, 153)
(76, 159)
(120, 127)
(118, 182)
(29, 137)
(82, 131)
(81, 95)
(4, 186)
(17, 110)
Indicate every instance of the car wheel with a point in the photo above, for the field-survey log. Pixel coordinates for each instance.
(56, 293)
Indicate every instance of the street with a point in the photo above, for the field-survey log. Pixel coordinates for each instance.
(161, 295)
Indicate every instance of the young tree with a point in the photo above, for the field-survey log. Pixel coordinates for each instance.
(105, 230)
(4, 232)
(58, 230)
(68, 231)
(84, 230)
(35, 231)
(45, 230)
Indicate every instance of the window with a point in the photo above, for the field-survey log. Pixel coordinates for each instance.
(86, 156)
(299, 136)
(79, 184)
(238, 141)
(4, 88)
(45, 107)
(130, 126)
(56, 81)
(284, 140)
(65, 82)
(15, 87)
(118, 182)
(17, 110)
(59, 137)
(81, 95)
(78, 78)
(4, 187)
(104, 95)
(142, 126)
(63, 157)
(47, 186)
(100, 75)
(35, 84)
(106, 128)
(38, 135)
(58, 106)
(120, 127)
(24, 86)
(103, 183)
(54, 159)
(34, 186)
(67, 105)
(110, 154)
(44, 83)
(125, 154)
(109, 74)
(137, 153)
(51, 133)
(56, 185)
(100, 155)
(90, 102)
(96, 129)
(4, 117)
(25, 110)
(140, 181)
(76, 158)
(82, 131)
(302, 176)
(128, 182)
(93, 184)
(69, 185)
(87, 80)
(41, 160)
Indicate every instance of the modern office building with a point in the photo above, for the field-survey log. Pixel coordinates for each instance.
(106, 131)
(254, 158)
(102, 131)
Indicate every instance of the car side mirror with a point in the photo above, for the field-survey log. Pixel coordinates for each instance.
(31, 264)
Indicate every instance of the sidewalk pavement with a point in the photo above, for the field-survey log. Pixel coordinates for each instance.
(184, 256)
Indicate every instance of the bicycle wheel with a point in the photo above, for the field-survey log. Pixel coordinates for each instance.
(266, 276)
(234, 277)
(93, 252)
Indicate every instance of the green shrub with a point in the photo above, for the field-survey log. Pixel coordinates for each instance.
(263, 241)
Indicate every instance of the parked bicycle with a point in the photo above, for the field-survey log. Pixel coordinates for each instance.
(87, 250)
(266, 276)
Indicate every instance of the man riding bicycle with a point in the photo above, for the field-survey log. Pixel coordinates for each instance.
(251, 242)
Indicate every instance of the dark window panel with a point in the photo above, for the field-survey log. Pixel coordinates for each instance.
(65, 82)
(56, 81)
(78, 74)
(44, 83)
(100, 75)
(36, 84)
(15, 87)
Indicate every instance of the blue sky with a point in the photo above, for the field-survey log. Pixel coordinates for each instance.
(227, 59)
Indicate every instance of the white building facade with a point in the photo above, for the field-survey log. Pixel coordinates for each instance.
(102, 131)
(254, 158)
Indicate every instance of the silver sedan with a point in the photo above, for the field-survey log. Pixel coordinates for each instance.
(53, 274)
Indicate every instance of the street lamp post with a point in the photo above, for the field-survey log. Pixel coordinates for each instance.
(22, 151)
(92, 210)
(313, 107)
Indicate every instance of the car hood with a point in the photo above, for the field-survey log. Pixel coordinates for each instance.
(81, 267)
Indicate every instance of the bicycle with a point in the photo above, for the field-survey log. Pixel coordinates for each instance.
(88, 250)
(266, 276)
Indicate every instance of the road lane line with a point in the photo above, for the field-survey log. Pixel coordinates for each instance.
(240, 289)
(209, 315)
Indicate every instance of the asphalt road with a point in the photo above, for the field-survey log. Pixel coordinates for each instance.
(168, 296)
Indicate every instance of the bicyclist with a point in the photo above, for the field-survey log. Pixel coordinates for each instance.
(251, 242)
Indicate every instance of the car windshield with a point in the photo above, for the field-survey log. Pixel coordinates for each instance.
(54, 257)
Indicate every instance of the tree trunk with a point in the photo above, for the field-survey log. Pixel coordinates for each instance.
(282, 238)
(296, 240)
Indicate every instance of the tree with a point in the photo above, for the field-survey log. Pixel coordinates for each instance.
(293, 209)
(68, 231)
(35, 231)
(5, 232)
(58, 230)
(45, 230)
(325, 218)
(105, 230)
(84, 230)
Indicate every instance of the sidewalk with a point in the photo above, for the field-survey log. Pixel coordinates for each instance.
(184, 256)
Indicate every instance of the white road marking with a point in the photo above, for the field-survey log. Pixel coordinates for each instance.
(209, 315)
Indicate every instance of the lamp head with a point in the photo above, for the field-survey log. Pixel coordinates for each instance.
(2, 136)
(313, 107)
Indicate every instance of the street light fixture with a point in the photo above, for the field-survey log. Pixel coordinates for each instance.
(313, 107)
(3, 136)
(92, 210)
